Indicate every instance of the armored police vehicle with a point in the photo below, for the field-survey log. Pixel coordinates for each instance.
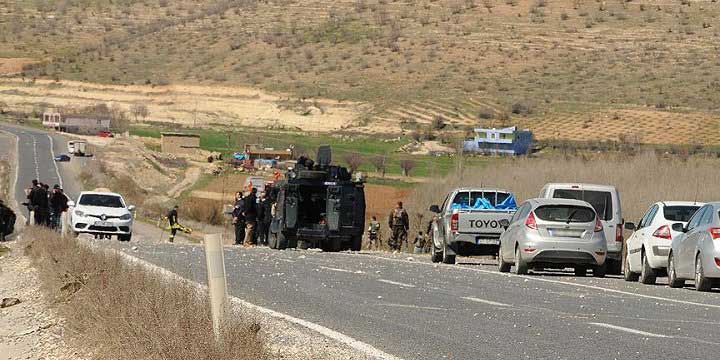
(317, 205)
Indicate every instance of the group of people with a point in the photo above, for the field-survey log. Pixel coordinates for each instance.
(251, 217)
(46, 205)
(399, 225)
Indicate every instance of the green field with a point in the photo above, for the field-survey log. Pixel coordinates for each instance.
(228, 142)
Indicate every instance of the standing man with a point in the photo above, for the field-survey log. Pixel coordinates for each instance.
(172, 217)
(374, 233)
(250, 216)
(262, 224)
(58, 205)
(39, 203)
(239, 218)
(399, 222)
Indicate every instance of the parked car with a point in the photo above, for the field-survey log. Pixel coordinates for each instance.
(62, 157)
(605, 199)
(105, 134)
(553, 234)
(102, 214)
(649, 245)
(695, 255)
(468, 223)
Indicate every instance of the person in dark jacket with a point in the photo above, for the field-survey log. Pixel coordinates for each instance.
(250, 212)
(39, 203)
(263, 210)
(172, 217)
(239, 218)
(58, 205)
(7, 221)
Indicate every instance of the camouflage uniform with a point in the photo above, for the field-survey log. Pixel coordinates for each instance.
(400, 224)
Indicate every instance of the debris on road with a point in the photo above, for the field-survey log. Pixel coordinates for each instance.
(8, 302)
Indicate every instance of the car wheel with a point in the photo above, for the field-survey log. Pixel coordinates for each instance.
(521, 267)
(673, 280)
(628, 275)
(435, 255)
(124, 237)
(701, 282)
(447, 258)
(580, 271)
(599, 271)
(647, 275)
(502, 265)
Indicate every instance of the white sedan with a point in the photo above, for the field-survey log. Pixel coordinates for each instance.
(649, 246)
(102, 214)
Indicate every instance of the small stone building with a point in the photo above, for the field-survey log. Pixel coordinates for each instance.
(179, 143)
(84, 125)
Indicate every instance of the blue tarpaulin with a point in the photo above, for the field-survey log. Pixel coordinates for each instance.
(483, 204)
(239, 156)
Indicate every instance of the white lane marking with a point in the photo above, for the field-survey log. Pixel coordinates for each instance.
(396, 283)
(629, 330)
(412, 307)
(37, 166)
(358, 345)
(341, 270)
(483, 301)
(554, 281)
(52, 151)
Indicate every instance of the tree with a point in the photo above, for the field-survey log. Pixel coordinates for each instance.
(354, 160)
(407, 165)
(140, 110)
(118, 119)
(378, 162)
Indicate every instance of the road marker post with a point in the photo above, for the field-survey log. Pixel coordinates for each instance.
(217, 282)
(31, 220)
(64, 224)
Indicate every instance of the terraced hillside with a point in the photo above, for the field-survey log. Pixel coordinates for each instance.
(568, 69)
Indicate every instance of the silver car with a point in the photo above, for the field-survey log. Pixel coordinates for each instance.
(554, 234)
(696, 253)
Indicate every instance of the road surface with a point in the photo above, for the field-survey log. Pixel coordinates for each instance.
(408, 307)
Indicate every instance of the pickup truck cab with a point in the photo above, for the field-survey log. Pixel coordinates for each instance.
(468, 223)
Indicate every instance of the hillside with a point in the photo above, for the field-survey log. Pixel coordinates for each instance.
(576, 70)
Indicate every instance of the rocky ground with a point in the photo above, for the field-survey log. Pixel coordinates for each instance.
(30, 329)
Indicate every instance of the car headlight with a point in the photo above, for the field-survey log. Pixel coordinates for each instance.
(79, 213)
(126, 217)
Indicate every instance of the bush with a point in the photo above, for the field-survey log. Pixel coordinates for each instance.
(522, 108)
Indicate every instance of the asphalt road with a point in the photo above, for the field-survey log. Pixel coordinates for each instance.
(414, 309)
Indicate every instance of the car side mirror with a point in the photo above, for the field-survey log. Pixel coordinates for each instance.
(630, 226)
(504, 223)
(435, 209)
(679, 227)
(131, 207)
(71, 203)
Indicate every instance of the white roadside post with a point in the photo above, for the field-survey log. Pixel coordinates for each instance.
(217, 283)
(31, 220)
(64, 224)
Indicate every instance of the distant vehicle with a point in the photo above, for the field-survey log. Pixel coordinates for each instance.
(695, 255)
(605, 199)
(105, 134)
(649, 245)
(257, 182)
(469, 223)
(62, 157)
(102, 214)
(317, 205)
(553, 234)
(77, 147)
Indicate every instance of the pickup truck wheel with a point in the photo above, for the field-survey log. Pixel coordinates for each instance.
(435, 255)
(521, 266)
(647, 275)
(447, 258)
(599, 271)
(502, 265)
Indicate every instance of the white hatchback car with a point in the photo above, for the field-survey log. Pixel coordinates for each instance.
(102, 214)
(649, 245)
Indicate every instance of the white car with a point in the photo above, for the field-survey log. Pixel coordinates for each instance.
(102, 214)
(649, 245)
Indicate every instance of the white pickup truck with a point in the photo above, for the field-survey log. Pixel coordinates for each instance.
(468, 223)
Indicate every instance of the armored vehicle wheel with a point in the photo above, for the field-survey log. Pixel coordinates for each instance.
(302, 245)
(292, 242)
(281, 242)
(356, 243)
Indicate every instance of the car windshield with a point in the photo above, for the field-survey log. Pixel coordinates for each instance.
(565, 213)
(601, 201)
(110, 201)
(679, 213)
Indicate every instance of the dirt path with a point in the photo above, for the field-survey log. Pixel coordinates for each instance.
(191, 176)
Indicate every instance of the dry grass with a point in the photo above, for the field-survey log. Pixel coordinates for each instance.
(641, 180)
(4, 180)
(206, 211)
(122, 311)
